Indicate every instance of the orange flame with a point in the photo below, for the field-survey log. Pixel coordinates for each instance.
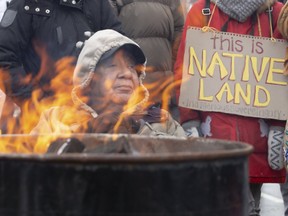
(61, 88)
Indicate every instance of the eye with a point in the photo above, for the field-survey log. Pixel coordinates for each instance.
(111, 65)
(131, 66)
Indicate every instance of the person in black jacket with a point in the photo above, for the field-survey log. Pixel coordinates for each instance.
(35, 34)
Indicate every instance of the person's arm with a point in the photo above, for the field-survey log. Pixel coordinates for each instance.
(178, 16)
(15, 31)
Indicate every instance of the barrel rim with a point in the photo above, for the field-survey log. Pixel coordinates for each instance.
(245, 150)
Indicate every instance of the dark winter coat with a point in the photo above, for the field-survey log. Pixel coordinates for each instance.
(37, 33)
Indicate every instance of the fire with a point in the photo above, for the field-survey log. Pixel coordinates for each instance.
(164, 90)
(60, 88)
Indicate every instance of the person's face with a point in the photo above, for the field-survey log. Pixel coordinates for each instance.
(115, 79)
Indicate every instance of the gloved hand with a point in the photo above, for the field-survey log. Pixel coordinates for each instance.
(276, 148)
(111, 122)
(104, 123)
(192, 128)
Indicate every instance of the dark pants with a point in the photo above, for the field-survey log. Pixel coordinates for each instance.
(284, 192)
(254, 199)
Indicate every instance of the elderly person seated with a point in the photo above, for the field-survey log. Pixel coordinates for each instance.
(108, 93)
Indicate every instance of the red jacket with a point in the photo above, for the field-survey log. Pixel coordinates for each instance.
(227, 126)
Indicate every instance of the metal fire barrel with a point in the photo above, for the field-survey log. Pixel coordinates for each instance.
(128, 175)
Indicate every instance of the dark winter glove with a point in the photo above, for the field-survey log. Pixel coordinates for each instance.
(111, 122)
(115, 122)
(104, 123)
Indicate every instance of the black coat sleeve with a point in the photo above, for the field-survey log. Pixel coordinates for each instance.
(109, 19)
(15, 31)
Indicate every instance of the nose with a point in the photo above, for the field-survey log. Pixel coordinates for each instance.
(126, 72)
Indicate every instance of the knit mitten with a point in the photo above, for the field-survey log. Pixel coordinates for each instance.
(275, 148)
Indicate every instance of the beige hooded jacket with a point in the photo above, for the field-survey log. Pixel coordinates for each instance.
(68, 119)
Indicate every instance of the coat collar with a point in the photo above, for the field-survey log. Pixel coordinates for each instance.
(72, 3)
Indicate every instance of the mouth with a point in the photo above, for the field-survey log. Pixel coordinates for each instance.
(127, 89)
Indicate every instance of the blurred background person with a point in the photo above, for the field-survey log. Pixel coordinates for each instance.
(35, 35)
(156, 25)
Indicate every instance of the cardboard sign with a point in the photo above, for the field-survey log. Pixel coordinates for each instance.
(233, 73)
